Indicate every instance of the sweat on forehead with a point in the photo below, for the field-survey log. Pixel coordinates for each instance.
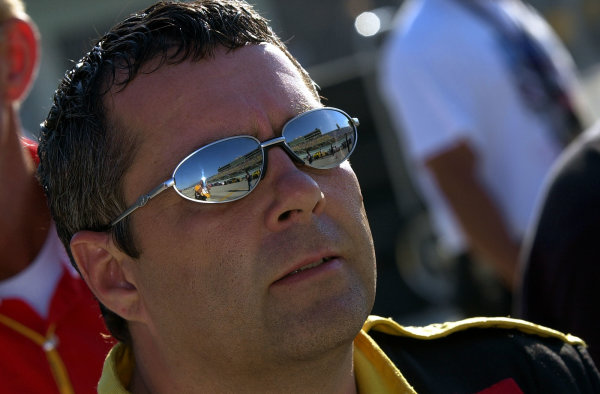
(175, 93)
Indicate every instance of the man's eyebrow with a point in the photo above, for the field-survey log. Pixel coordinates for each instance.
(304, 106)
(296, 109)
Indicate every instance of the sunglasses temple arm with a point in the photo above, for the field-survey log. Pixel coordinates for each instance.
(143, 200)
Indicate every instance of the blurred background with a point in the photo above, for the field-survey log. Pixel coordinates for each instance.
(338, 42)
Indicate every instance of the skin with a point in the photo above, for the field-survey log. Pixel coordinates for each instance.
(207, 306)
(455, 173)
(25, 218)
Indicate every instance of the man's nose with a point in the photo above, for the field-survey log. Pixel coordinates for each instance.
(295, 195)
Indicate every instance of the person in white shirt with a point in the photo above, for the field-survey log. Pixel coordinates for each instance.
(481, 93)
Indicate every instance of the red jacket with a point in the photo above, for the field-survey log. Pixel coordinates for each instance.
(61, 354)
(74, 325)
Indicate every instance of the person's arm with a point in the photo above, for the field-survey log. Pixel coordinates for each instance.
(455, 173)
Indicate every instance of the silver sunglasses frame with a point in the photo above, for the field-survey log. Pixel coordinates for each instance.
(143, 199)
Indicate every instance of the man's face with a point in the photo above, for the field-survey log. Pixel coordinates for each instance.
(216, 280)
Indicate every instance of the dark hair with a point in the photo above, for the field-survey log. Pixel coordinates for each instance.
(83, 154)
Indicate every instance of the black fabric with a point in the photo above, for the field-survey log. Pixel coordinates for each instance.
(561, 278)
(475, 359)
(478, 294)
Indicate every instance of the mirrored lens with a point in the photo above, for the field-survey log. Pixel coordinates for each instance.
(223, 171)
(323, 138)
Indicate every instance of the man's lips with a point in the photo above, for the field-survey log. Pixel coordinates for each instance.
(309, 266)
(306, 266)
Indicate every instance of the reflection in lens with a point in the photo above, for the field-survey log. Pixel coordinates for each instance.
(322, 139)
(223, 171)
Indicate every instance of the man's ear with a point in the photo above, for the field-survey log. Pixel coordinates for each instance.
(21, 54)
(105, 270)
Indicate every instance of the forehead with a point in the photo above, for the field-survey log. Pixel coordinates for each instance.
(178, 108)
(214, 75)
(239, 80)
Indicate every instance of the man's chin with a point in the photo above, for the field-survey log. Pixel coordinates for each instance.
(326, 327)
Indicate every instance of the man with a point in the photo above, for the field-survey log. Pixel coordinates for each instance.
(482, 94)
(50, 325)
(261, 290)
(560, 253)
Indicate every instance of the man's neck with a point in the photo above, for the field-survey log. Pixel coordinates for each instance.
(25, 220)
(332, 373)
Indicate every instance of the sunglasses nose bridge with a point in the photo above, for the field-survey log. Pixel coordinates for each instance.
(272, 142)
(278, 141)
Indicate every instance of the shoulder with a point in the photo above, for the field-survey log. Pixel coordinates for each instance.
(581, 158)
(472, 354)
(442, 330)
(570, 193)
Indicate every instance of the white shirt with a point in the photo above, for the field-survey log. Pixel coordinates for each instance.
(36, 284)
(445, 80)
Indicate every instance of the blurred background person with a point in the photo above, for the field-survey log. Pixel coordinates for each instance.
(50, 325)
(561, 257)
(482, 93)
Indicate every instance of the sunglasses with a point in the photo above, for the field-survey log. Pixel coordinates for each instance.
(229, 169)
